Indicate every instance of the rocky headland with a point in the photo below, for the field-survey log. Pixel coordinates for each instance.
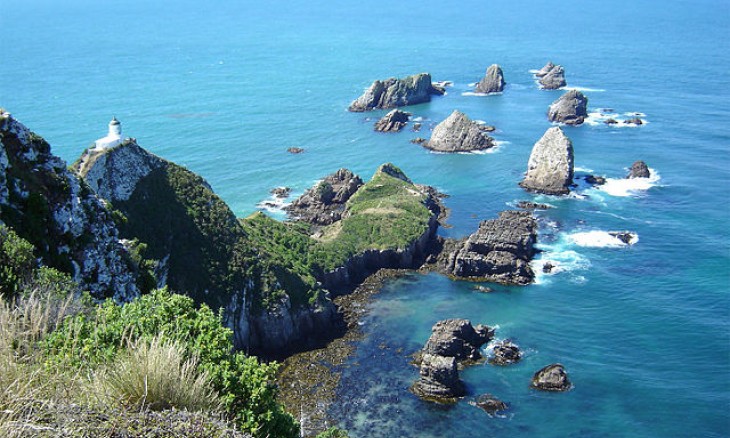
(551, 76)
(324, 204)
(551, 165)
(571, 108)
(392, 92)
(458, 133)
(492, 82)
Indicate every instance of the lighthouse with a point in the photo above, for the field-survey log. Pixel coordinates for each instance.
(113, 137)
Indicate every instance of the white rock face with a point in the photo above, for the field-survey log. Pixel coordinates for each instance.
(550, 168)
(113, 173)
(79, 226)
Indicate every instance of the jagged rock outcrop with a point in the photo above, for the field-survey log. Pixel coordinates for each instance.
(393, 92)
(571, 108)
(324, 203)
(545, 69)
(551, 76)
(551, 378)
(439, 379)
(595, 180)
(457, 338)
(490, 404)
(639, 170)
(529, 205)
(550, 167)
(493, 80)
(452, 341)
(394, 121)
(53, 209)
(499, 251)
(506, 352)
(458, 133)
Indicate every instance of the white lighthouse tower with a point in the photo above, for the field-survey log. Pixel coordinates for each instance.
(113, 137)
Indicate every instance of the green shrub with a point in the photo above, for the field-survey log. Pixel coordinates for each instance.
(245, 386)
(17, 262)
(333, 432)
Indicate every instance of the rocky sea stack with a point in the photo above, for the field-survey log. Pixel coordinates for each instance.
(458, 133)
(499, 251)
(550, 167)
(393, 92)
(452, 341)
(551, 76)
(571, 108)
(493, 81)
(551, 378)
(639, 170)
(394, 121)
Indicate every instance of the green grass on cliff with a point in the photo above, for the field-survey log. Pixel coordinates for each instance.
(388, 212)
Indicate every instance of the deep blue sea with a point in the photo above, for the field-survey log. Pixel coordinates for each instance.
(225, 88)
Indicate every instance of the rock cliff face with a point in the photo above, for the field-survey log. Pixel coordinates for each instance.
(394, 121)
(571, 108)
(324, 203)
(202, 249)
(53, 209)
(493, 81)
(639, 170)
(393, 92)
(458, 133)
(551, 76)
(499, 251)
(439, 379)
(550, 167)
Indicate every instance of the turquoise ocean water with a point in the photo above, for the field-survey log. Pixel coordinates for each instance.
(226, 87)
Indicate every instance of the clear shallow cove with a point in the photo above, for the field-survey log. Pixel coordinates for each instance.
(226, 88)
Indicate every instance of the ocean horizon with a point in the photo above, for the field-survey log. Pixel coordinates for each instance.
(225, 88)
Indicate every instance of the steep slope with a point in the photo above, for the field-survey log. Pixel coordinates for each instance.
(49, 206)
(203, 250)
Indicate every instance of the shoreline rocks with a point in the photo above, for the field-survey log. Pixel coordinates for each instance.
(499, 251)
(571, 108)
(551, 378)
(439, 379)
(551, 76)
(639, 170)
(394, 121)
(493, 81)
(393, 92)
(489, 404)
(505, 353)
(295, 150)
(458, 133)
(550, 167)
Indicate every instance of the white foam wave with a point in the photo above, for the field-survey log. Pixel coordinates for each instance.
(601, 239)
(582, 169)
(474, 93)
(586, 89)
(534, 70)
(493, 150)
(623, 187)
(560, 259)
(600, 117)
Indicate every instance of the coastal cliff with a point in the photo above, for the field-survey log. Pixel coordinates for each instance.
(50, 207)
